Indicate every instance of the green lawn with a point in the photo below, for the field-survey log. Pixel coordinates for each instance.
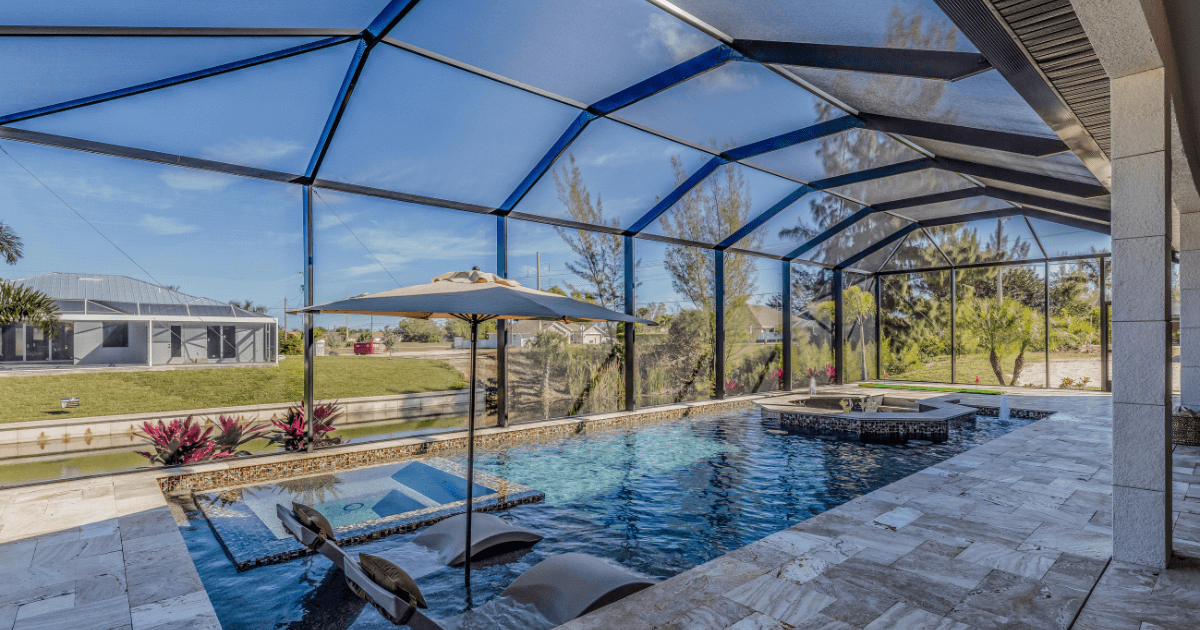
(969, 366)
(36, 397)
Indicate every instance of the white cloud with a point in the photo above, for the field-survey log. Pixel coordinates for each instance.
(678, 39)
(166, 225)
(252, 151)
(186, 179)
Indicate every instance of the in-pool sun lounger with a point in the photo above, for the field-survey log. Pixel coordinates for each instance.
(490, 534)
(562, 587)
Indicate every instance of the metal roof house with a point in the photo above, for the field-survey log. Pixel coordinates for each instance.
(119, 321)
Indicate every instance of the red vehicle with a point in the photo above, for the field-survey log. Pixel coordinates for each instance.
(369, 347)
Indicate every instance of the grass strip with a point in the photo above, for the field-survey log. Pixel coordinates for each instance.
(953, 390)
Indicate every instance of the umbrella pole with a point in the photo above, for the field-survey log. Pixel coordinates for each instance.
(470, 458)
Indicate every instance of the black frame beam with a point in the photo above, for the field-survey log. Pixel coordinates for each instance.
(906, 62)
(1035, 146)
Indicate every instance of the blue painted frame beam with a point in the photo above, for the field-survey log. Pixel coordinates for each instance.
(543, 166)
(878, 245)
(766, 215)
(691, 68)
(674, 75)
(1035, 146)
(905, 62)
(812, 132)
(389, 17)
(675, 195)
(339, 109)
(828, 234)
(175, 80)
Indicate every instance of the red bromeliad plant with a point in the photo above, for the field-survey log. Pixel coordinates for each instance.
(235, 433)
(292, 434)
(830, 372)
(180, 443)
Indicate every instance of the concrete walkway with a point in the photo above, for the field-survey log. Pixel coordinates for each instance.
(1013, 534)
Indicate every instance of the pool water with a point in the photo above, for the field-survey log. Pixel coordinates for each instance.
(657, 499)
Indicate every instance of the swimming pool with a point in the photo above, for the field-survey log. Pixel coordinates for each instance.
(657, 499)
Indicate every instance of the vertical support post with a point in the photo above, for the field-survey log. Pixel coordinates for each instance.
(1141, 246)
(719, 333)
(1105, 378)
(1046, 329)
(470, 457)
(787, 326)
(839, 350)
(502, 327)
(309, 346)
(953, 325)
(879, 327)
(630, 330)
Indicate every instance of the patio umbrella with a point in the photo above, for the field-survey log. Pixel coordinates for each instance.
(474, 297)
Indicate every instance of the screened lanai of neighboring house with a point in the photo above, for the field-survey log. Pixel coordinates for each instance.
(872, 179)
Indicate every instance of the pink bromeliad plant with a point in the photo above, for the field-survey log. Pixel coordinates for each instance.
(292, 434)
(778, 376)
(830, 372)
(180, 443)
(235, 433)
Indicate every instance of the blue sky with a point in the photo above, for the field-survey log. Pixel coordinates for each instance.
(414, 125)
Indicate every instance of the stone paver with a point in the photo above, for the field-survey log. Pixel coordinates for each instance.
(97, 554)
(1014, 534)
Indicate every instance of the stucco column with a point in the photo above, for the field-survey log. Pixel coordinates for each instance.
(1141, 231)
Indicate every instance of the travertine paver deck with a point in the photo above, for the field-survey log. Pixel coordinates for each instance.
(97, 554)
(1013, 534)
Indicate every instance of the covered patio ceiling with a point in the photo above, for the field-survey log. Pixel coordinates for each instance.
(857, 127)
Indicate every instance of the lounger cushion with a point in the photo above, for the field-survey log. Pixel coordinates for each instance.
(392, 579)
(313, 520)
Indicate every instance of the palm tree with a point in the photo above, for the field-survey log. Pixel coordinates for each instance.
(11, 247)
(248, 305)
(21, 305)
(857, 306)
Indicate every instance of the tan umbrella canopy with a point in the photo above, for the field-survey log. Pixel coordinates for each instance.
(475, 297)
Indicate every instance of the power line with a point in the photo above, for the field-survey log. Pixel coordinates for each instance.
(364, 245)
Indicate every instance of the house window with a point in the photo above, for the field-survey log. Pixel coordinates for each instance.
(116, 334)
(176, 342)
(222, 342)
(229, 344)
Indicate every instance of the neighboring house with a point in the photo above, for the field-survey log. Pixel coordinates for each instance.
(522, 332)
(120, 321)
(766, 324)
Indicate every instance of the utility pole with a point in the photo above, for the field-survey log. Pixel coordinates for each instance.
(539, 271)
(284, 317)
(347, 319)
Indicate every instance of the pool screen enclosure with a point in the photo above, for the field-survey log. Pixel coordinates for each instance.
(820, 151)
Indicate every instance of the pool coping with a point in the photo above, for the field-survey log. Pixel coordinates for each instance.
(933, 420)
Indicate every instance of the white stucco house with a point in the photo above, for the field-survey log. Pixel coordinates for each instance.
(523, 331)
(119, 321)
